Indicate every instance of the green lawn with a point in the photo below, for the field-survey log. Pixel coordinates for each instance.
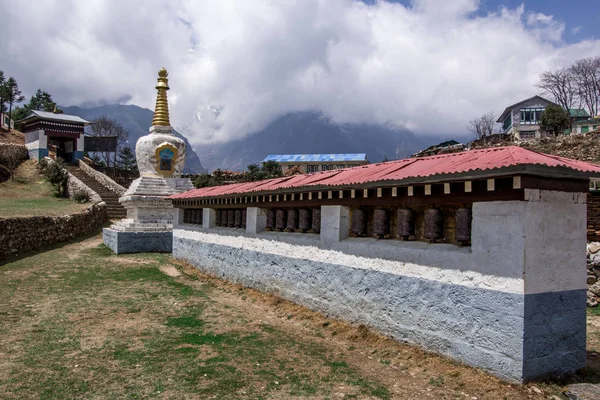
(30, 194)
(78, 322)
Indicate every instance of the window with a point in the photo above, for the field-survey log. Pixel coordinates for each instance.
(507, 123)
(326, 167)
(527, 135)
(531, 116)
(340, 166)
(312, 168)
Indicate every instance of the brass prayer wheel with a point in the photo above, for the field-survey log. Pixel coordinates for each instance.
(359, 222)
(381, 222)
(434, 224)
(463, 225)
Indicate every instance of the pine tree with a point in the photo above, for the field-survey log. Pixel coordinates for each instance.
(554, 119)
(14, 94)
(127, 160)
(3, 92)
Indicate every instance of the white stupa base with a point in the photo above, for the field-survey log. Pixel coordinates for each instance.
(149, 223)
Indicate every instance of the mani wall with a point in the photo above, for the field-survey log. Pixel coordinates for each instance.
(492, 274)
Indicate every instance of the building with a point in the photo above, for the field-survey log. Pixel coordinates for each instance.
(54, 134)
(586, 125)
(6, 122)
(478, 255)
(522, 119)
(318, 162)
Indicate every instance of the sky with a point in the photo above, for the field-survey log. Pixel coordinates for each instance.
(234, 66)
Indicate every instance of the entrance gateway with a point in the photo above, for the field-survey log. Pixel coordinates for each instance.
(54, 134)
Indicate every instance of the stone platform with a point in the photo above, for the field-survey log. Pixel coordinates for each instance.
(138, 242)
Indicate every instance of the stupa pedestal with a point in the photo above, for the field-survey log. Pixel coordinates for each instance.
(160, 159)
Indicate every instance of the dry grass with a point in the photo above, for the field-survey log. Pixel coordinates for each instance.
(80, 322)
(29, 194)
(14, 136)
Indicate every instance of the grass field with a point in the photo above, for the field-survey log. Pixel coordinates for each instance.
(79, 322)
(30, 194)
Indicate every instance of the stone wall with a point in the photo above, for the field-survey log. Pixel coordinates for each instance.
(74, 184)
(102, 179)
(512, 303)
(593, 216)
(30, 233)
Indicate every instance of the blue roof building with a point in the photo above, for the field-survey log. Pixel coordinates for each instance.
(318, 162)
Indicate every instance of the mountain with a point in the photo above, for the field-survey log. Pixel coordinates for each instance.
(312, 132)
(136, 121)
(294, 133)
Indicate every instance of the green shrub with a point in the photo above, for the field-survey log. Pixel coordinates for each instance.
(80, 196)
(56, 174)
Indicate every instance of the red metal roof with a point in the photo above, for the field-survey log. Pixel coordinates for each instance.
(444, 164)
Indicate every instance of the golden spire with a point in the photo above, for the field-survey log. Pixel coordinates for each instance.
(161, 111)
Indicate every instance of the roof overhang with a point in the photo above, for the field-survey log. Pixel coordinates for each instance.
(536, 170)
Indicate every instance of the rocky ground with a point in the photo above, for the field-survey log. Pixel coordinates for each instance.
(593, 274)
(577, 147)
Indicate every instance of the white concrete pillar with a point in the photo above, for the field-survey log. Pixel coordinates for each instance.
(256, 220)
(177, 217)
(335, 223)
(209, 218)
(541, 244)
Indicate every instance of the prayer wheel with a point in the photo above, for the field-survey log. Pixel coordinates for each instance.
(230, 217)
(381, 223)
(359, 222)
(463, 225)
(238, 218)
(292, 220)
(304, 220)
(434, 224)
(316, 219)
(244, 218)
(270, 219)
(219, 218)
(405, 222)
(280, 219)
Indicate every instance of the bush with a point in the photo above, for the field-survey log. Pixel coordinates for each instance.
(56, 174)
(80, 196)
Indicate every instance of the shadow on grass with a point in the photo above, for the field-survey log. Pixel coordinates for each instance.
(30, 253)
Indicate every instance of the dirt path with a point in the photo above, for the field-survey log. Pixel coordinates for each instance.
(80, 322)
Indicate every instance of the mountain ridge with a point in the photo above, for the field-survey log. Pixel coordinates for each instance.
(307, 132)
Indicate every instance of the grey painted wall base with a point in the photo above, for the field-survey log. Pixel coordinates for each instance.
(138, 242)
(514, 336)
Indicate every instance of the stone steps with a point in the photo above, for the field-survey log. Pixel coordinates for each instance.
(114, 209)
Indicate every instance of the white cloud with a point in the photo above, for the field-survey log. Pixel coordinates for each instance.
(236, 65)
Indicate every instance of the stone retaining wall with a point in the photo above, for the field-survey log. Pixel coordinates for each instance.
(593, 216)
(102, 179)
(74, 184)
(30, 233)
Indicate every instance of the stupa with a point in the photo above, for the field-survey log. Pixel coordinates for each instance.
(160, 160)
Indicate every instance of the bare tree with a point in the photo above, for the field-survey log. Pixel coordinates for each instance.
(104, 126)
(482, 126)
(561, 86)
(586, 77)
(11, 156)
